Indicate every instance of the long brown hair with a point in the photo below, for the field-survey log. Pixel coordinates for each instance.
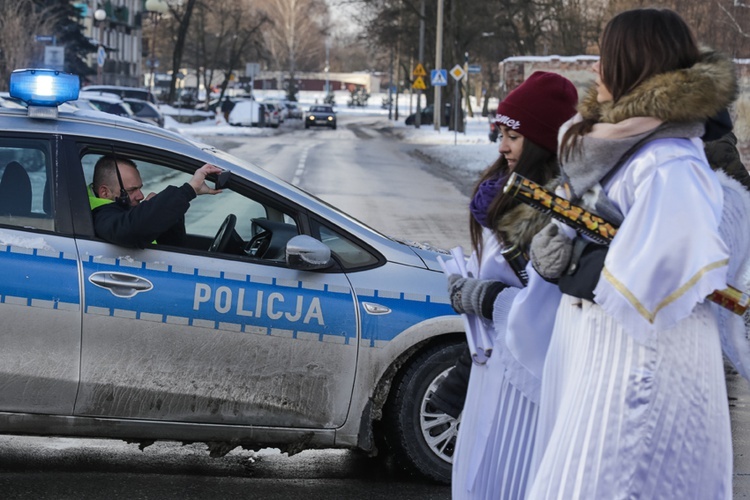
(535, 163)
(637, 45)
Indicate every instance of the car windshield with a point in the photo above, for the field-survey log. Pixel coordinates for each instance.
(321, 109)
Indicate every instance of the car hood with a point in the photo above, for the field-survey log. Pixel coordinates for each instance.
(427, 253)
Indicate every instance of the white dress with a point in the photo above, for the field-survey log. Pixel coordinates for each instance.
(498, 422)
(633, 400)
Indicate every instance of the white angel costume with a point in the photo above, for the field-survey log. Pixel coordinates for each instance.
(498, 423)
(634, 401)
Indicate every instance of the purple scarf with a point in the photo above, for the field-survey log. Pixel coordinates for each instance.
(484, 196)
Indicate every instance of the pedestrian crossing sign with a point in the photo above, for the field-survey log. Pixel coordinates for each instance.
(439, 77)
(419, 71)
(418, 84)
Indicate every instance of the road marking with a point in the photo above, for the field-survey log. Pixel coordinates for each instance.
(301, 165)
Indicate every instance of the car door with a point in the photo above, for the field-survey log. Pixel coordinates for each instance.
(40, 301)
(182, 334)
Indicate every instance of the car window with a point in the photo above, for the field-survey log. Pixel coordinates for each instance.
(204, 218)
(349, 254)
(25, 187)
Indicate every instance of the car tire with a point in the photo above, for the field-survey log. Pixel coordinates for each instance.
(334, 126)
(408, 416)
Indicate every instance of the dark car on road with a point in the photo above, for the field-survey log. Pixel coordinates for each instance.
(321, 116)
(427, 113)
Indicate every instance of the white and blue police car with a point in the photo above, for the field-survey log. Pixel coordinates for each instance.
(281, 321)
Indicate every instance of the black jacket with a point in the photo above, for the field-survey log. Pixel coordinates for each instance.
(162, 218)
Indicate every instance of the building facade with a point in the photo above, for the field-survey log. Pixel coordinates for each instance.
(116, 26)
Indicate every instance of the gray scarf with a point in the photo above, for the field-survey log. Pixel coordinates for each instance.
(594, 159)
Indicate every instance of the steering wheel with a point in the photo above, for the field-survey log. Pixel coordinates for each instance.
(224, 235)
(259, 243)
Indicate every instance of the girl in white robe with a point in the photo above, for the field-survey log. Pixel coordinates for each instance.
(633, 401)
(496, 434)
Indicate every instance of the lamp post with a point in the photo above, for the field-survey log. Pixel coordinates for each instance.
(155, 9)
(99, 16)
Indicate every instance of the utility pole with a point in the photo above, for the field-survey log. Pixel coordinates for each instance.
(418, 118)
(437, 115)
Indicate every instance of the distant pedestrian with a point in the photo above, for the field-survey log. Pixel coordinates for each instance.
(226, 107)
(634, 401)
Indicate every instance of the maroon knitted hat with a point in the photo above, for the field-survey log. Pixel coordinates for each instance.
(538, 107)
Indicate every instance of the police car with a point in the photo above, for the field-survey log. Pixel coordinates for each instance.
(282, 322)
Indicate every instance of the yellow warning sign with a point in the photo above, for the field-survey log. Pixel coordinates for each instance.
(419, 70)
(418, 84)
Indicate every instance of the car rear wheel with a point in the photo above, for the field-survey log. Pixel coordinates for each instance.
(421, 437)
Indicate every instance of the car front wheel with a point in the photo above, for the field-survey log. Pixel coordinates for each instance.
(421, 437)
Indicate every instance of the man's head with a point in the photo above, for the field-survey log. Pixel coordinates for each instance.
(106, 184)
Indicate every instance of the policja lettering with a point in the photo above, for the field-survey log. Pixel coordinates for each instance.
(224, 300)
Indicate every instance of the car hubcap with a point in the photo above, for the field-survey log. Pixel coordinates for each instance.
(438, 429)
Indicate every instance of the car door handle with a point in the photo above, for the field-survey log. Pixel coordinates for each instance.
(121, 284)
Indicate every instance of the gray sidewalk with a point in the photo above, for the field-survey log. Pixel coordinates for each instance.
(739, 408)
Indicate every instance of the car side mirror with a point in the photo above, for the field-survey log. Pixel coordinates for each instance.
(305, 253)
(223, 179)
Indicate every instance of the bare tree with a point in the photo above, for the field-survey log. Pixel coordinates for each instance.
(227, 33)
(296, 36)
(181, 16)
(20, 20)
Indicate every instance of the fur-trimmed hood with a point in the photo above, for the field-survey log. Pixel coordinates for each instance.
(520, 224)
(687, 95)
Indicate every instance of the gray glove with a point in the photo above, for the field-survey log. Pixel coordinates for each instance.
(473, 296)
(550, 252)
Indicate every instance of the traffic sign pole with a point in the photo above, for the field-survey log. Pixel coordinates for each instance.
(457, 73)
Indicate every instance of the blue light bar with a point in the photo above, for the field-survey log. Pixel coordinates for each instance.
(44, 87)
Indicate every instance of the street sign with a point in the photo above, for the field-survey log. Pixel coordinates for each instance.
(457, 72)
(419, 71)
(419, 84)
(252, 69)
(45, 38)
(439, 77)
(475, 69)
(54, 57)
(101, 56)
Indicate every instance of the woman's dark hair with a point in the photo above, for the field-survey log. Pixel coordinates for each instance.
(535, 163)
(637, 45)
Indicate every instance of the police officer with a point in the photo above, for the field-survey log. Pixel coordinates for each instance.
(123, 216)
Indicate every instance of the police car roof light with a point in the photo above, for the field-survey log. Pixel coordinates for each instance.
(44, 87)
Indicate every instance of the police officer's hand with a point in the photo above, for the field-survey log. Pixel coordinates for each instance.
(198, 182)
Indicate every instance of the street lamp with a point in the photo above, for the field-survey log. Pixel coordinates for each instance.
(155, 9)
(99, 16)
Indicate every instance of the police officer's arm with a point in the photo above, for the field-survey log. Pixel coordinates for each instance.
(140, 225)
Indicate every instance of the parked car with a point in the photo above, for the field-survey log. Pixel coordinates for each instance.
(321, 116)
(145, 111)
(494, 130)
(6, 101)
(273, 116)
(123, 91)
(294, 111)
(280, 322)
(282, 109)
(109, 103)
(427, 114)
(248, 113)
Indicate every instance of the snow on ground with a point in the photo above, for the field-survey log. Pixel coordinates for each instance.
(470, 151)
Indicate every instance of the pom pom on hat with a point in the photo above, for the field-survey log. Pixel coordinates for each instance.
(538, 107)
